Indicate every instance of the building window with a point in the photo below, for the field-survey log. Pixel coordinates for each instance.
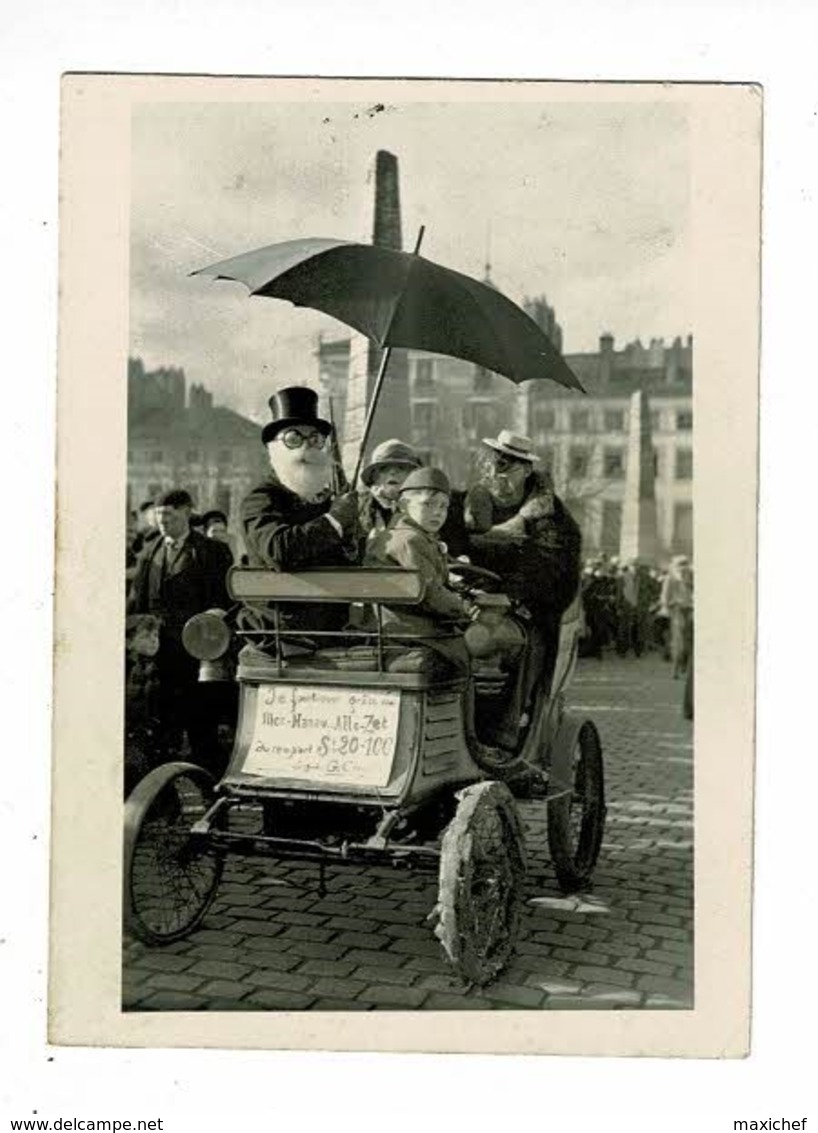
(614, 421)
(157, 456)
(545, 419)
(578, 463)
(225, 456)
(656, 420)
(613, 464)
(657, 463)
(483, 380)
(423, 416)
(684, 464)
(580, 421)
(684, 420)
(192, 456)
(424, 373)
(486, 419)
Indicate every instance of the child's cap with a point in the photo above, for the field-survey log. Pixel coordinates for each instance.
(432, 479)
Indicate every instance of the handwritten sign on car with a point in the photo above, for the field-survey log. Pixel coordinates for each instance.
(324, 735)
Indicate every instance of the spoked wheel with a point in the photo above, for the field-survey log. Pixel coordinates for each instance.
(170, 875)
(482, 868)
(576, 819)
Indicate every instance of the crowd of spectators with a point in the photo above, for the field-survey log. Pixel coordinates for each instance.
(633, 607)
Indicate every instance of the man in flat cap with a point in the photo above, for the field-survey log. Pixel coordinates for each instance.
(291, 519)
(179, 574)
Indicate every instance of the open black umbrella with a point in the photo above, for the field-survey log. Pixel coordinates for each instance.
(400, 299)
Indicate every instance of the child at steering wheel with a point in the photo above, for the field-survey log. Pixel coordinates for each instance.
(411, 542)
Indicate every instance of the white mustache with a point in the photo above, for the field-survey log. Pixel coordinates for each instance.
(307, 478)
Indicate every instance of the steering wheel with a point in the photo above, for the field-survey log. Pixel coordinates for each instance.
(471, 575)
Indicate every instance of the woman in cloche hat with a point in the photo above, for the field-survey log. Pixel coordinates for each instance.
(391, 463)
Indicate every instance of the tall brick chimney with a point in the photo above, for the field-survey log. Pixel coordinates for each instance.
(386, 228)
(392, 416)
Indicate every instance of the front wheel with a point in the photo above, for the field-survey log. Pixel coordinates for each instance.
(170, 874)
(482, 869)
(576, 816)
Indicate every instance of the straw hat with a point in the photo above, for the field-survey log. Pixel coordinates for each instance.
(512, 444)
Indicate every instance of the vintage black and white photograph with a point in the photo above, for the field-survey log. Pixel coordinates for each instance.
(410, 560)
(396, 690)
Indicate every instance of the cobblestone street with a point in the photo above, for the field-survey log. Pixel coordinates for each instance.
(271, 942)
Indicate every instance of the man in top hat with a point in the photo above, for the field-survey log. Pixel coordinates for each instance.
(522, 531)
(291, 520)
(391, 463)
(179, 574)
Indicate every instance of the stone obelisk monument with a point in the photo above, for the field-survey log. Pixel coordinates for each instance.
(392, 416)
(639, 539)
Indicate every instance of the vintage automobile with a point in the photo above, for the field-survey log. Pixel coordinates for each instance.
(372, 748)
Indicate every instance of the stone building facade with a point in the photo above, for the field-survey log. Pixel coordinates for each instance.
(177, 438)
(583, 439)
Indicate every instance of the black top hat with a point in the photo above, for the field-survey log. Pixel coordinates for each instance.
(295, 405)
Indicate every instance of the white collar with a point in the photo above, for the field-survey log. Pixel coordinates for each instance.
(175, 544)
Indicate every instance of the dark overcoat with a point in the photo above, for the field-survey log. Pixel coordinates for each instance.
(283, 532)
(543, 569)
(192, 581)
(174, 587)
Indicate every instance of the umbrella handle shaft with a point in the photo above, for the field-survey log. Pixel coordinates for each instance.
(370, 413)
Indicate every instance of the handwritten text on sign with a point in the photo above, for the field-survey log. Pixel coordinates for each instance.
(324, 735)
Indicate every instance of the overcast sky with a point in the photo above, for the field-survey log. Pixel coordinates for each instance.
(586, 203)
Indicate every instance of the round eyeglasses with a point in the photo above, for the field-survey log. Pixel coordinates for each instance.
(294, 438)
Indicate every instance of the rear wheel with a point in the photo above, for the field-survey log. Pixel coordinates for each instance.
(482, 869)
(576, 818)
(170, 874)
